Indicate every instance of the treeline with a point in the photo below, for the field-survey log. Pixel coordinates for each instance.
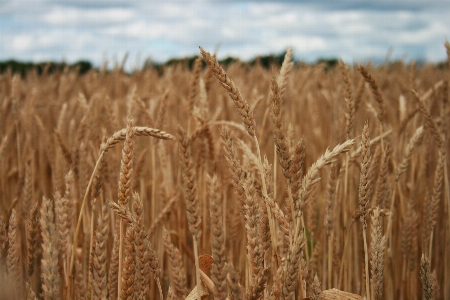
(43, 67)
(83, 66)
(266, 61)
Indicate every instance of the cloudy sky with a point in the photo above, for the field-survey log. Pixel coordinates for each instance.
(355, 30)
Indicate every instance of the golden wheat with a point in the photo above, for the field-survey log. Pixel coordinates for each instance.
(91, 210)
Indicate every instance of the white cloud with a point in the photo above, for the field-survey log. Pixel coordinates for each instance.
(63, 16)
(351, 30)
(22, 43)
(137, 30)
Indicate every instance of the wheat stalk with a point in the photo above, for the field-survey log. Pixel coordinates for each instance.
(377, 256)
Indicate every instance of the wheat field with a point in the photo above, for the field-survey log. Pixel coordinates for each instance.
(291, 182)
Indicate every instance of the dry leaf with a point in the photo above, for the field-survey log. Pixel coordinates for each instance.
(193, 294)
(335, 294)
(205, 261)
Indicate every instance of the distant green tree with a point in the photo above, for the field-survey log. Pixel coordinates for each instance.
(18, 67)
(329, 62)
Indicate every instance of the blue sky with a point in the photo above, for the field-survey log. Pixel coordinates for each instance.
(354, 30)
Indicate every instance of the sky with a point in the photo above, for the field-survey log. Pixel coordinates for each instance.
(98, 31)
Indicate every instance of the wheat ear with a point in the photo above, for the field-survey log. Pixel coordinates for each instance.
(291, 268)
(178, 278)
(142, 257)
(154, 265)
(13, 255)
(49, 265)
(315, 289)
(234, 288)
(190, 194)
(313, 176)
(241, 104)
(378, 96)
(80, 283)
(429, 122)
(126, 171)
(254, 248)
(298, 160)
(412, 145)
(62, 206)
(349, 100)
(428, 284)
(218, 274)
(284, 72)
(128, 273)
(364, 195)
(114, 264)
(237, 173)
(437, 190)
(27, 196)
(382, 192)
(32, 237)
(279, 134)
(99, 264)
(193, 87)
